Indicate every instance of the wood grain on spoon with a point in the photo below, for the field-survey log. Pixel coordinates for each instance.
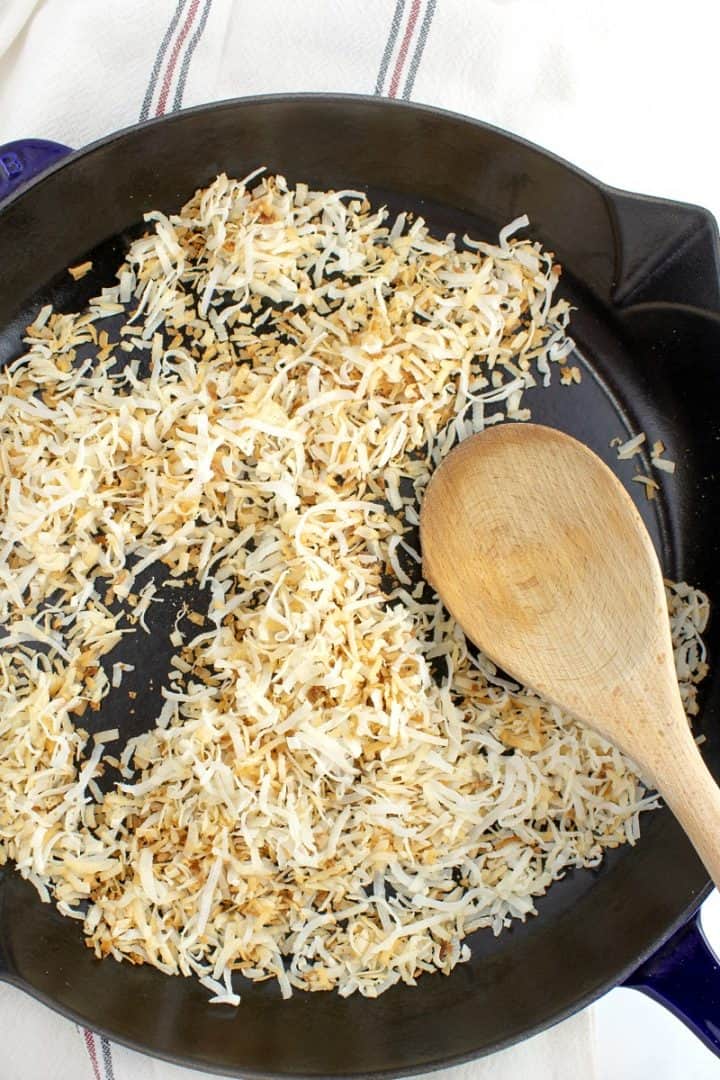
(537, 550)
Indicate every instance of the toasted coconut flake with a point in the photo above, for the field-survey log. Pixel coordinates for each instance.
(663, 464)
(651, 486)
(658, 461)
(631, 447)
(110, 735)
(78, 272)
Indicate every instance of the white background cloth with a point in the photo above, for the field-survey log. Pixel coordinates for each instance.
(623, 89)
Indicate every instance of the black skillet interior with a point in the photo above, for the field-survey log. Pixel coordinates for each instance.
(643, 275)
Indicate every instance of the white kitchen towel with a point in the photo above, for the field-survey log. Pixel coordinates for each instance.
(37, 1044)
(622, 89)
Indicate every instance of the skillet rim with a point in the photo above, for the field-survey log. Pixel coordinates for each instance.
(375, 101)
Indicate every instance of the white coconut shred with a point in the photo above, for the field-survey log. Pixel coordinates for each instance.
(336, 792)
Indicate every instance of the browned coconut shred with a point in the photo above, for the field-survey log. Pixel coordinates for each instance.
(336, 792)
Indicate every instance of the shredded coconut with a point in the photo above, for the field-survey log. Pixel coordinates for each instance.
(79, 272)
(635, 445)
(337, 791)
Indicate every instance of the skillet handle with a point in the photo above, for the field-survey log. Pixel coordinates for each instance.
(668, 253)
(22, 160)
(684, 976)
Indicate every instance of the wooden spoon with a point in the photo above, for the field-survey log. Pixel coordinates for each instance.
(537, 550)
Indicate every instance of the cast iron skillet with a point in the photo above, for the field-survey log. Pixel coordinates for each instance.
(644, 276)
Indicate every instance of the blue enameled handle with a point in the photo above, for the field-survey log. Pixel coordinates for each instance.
(22, 160)
(684, 976)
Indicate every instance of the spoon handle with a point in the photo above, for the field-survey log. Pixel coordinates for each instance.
(684, 781)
